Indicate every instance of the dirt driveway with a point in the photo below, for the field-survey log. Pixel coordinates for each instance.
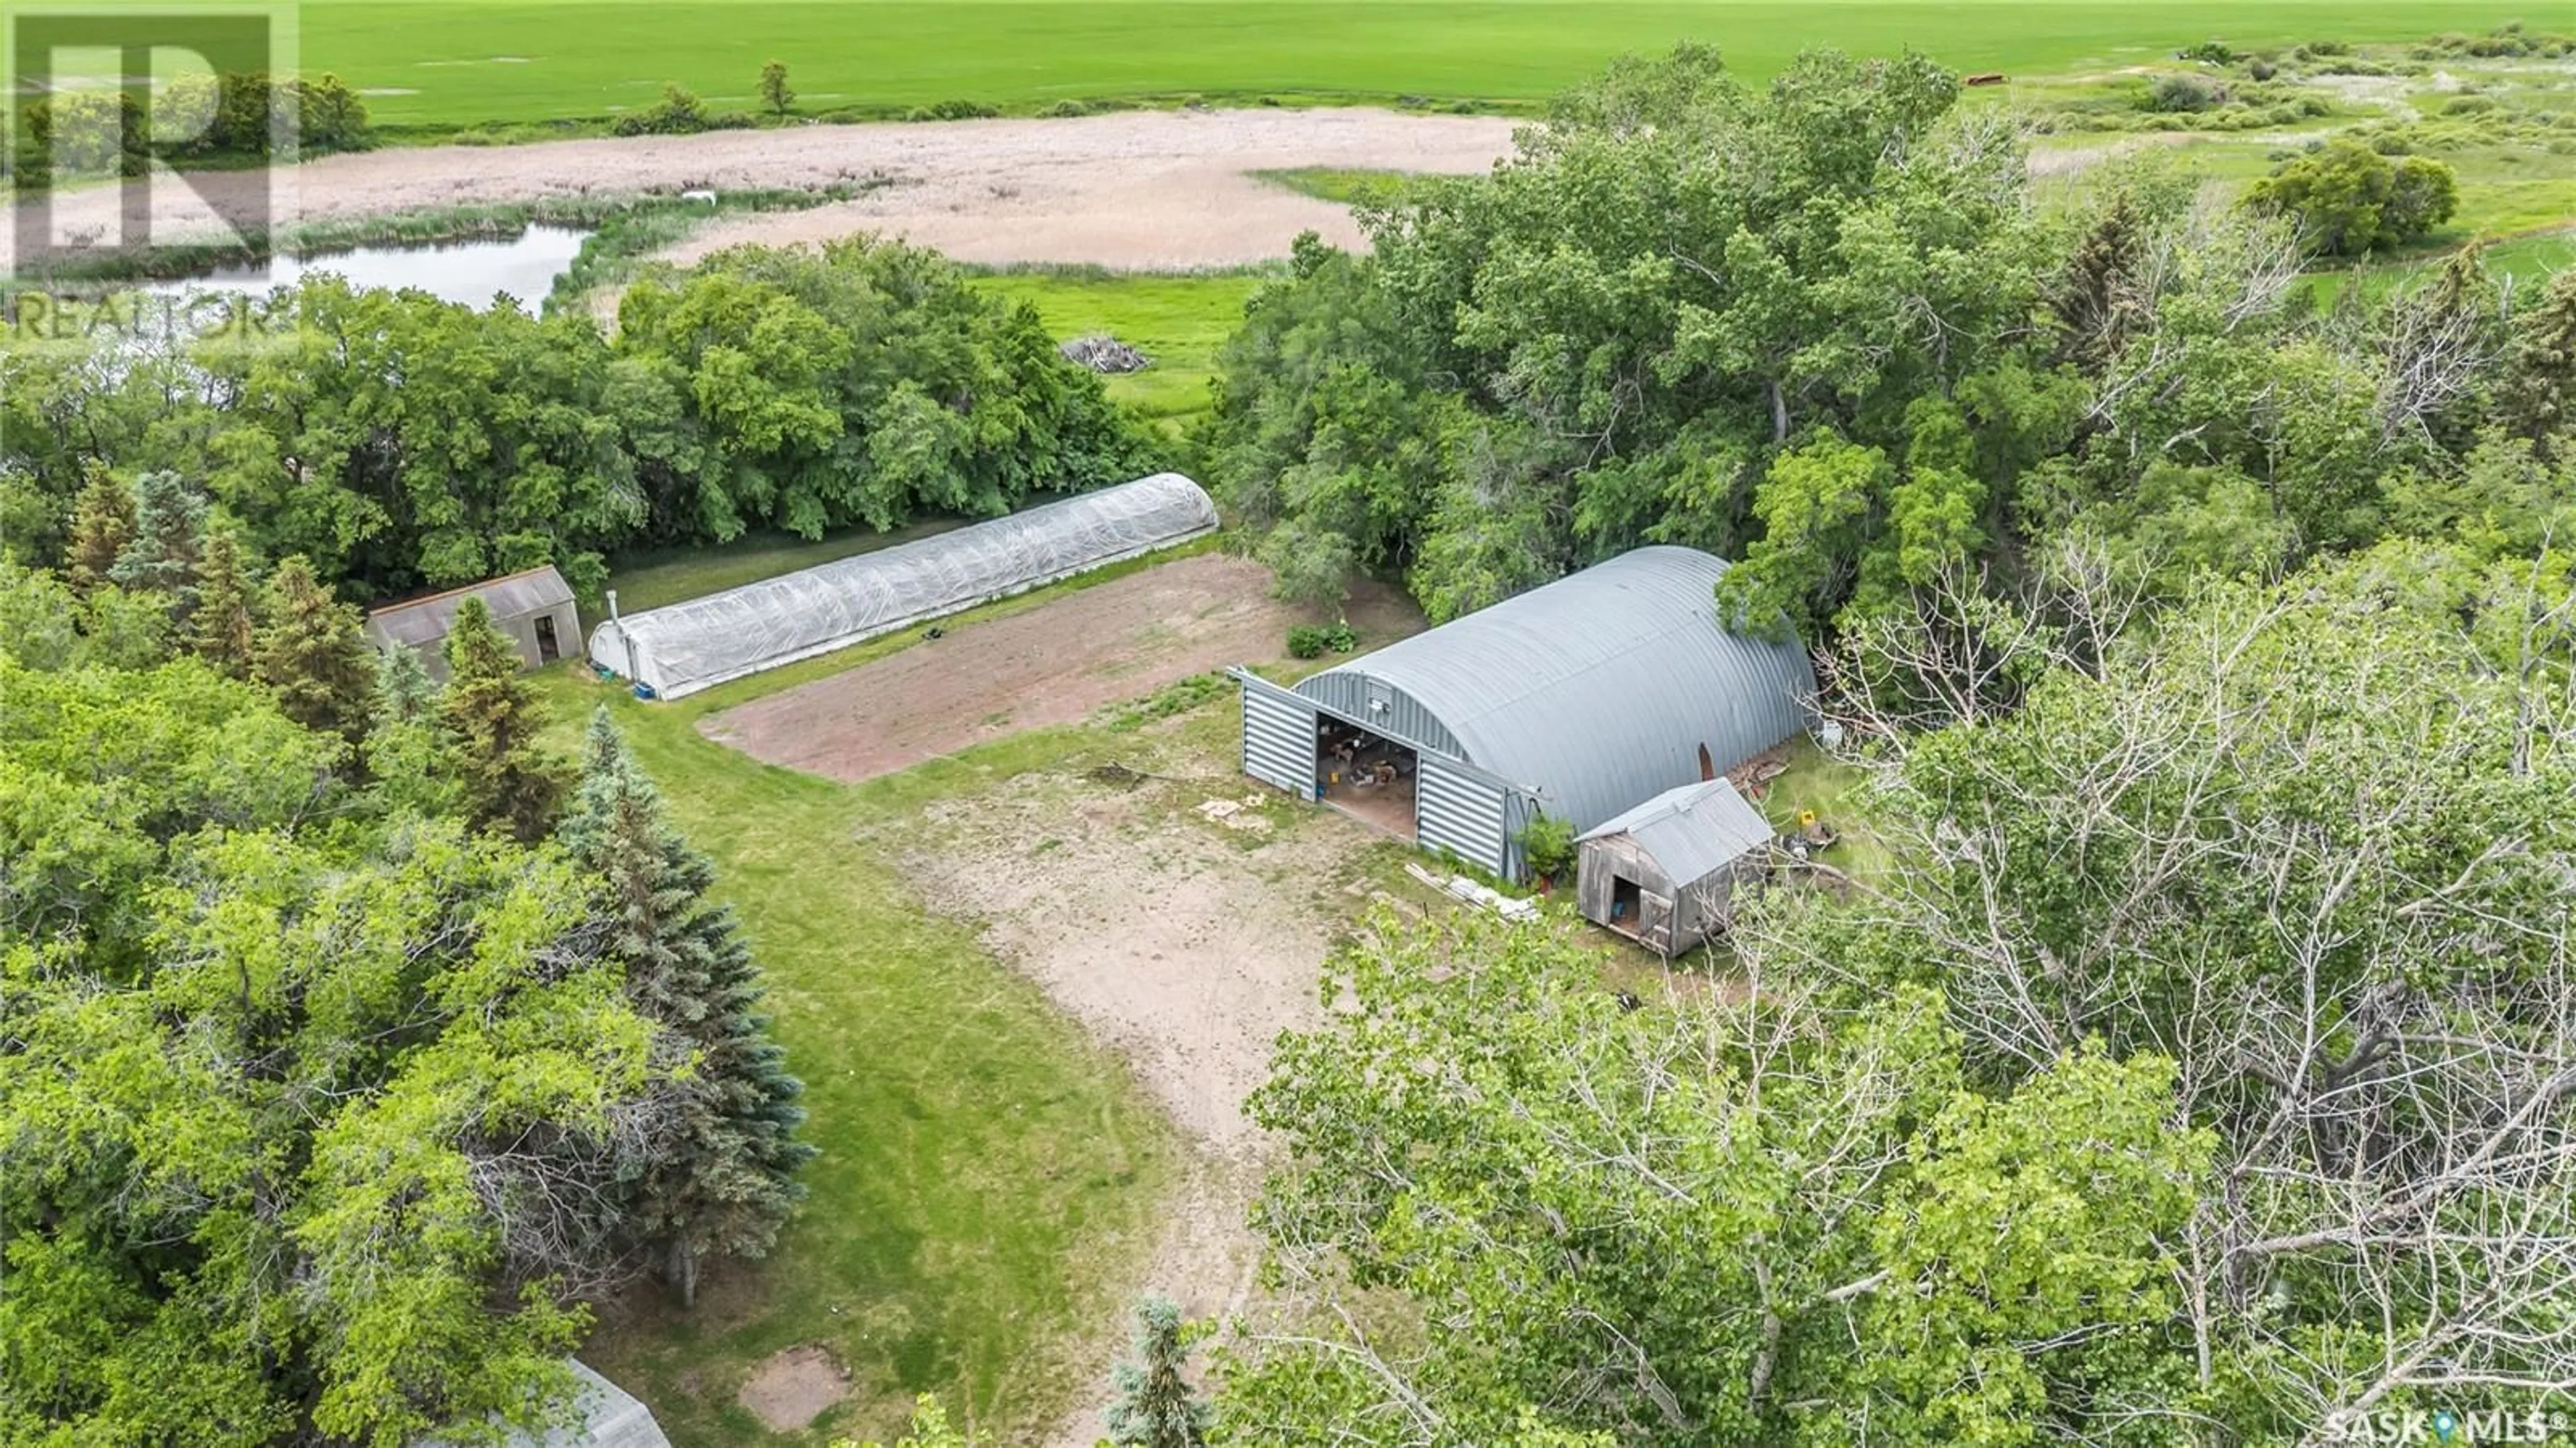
(1185, 943)
(1135, 189)
(1054, 664)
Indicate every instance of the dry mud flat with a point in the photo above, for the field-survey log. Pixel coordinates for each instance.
(1135, 189)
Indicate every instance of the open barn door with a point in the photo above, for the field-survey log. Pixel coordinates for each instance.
(1278, 735)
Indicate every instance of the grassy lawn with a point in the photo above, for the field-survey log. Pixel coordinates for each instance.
(1177, 320)
(987, 1172)
(433, 63)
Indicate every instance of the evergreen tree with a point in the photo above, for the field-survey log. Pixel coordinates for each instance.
(1155, 1407)
(722, 1180)
(169, 534)
(491, 719)
(2539, 389)
(222, 631)
(102, 524)
(310, 653)
(405, 755)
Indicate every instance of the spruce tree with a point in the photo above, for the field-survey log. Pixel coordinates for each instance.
(310, 652)
(169, 535)
(2539, 388)
(222, 631)
(1155, 1407)
(721, 1181)
(102, 524)
(491, 719)
(406, 758)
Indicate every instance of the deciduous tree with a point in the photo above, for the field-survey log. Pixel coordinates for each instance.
(773, 88)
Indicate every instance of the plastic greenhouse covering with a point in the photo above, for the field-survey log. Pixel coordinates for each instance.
(696, 645)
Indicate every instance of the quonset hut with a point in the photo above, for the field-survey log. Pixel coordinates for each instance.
(1576, 700)
(707, 641)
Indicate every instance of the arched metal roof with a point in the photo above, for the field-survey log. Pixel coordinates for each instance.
(1595, 692)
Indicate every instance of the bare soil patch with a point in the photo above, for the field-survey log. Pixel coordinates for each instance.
(1049, 665)
(1137, 189)
(793, 1387)
(1181, 941)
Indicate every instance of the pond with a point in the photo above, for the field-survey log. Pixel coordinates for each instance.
(470, 272)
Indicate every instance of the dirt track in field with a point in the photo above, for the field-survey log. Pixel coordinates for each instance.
(1135, 189)
(1055, 664)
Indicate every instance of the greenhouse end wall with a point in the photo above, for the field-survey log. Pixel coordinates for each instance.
(686, 647)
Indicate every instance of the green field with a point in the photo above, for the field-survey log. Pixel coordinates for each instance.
(1177, 321)
(986, 1170)
(464, 62)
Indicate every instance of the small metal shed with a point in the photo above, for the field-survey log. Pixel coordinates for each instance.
(1665, 873)
(534, 608)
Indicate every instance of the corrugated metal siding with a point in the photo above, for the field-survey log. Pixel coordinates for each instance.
(1596, 691)
(424, 622)
(1351, 695)
(1463, 810)
(1278, 736)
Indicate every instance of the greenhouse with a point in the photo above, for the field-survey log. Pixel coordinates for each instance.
(674, 651)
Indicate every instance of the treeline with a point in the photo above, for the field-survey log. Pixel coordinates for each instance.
(2200, 1069)
(247, 116)
(1828, 327)
(351, 1043)
(400, 442)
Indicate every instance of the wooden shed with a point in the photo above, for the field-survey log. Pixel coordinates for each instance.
(534, 608)
(1665, 873)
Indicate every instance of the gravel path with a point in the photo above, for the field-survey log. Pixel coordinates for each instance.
(1133, 189)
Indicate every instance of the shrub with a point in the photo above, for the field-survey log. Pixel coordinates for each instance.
(2347, 199)
(774, 90)
(2469, 105)
(1313, 641)
(677, 114)
(2213, 52)
(1060, 110)
(1547, 845)
(2184, 93)
(85, 132)
(952, 111)
(2261, 70)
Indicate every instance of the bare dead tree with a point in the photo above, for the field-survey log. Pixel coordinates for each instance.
(2319, 850)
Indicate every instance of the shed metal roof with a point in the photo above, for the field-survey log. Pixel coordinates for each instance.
(423, 621)
(1692, 830)
(1595, 691)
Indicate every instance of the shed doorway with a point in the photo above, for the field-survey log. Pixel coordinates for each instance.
(547, 649)
(1367, 776)
(1627, 902)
